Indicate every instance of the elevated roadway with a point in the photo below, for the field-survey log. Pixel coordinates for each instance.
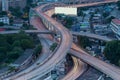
(78, 69)
(60, 53)
(51, 11)
(93, 4)
(106, 68)
(27, 31)
(110, 70)
(91, 35)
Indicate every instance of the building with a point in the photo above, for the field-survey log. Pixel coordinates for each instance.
(66, 11)
(18, 23)
(115, 26)
(17, 3)
(5, 5)
(97, 18)
(5, 20)
(82, 26)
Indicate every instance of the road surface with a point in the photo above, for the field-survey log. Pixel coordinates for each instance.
(63, 49)
(78, 69)
(92, 35)
(106, 68)
(60, 53)
(26, 31)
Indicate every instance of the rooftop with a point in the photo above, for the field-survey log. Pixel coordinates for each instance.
(116, 21)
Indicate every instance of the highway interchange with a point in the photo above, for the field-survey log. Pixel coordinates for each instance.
(60, 53)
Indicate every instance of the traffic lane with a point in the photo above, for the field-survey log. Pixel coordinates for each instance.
(37, 23)
(100, 65)
(77, 70)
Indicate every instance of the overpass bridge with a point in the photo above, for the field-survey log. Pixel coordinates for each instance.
(94, 3)
(92, 35)
(60, 53)
(27, 31)
(102, 66)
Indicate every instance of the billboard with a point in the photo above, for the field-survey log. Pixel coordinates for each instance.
(66, 10)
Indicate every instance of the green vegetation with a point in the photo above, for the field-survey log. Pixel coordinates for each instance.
(53, 46)
(69, 21)
(1, 24)
(3, 13)
(118, 4)
(83, 41)
(58, 16)
(11, 68)
(108, 20)
(80, 11)
(22, 13)
(27, 27)
(112, 52)
(30, 4)
(16, 11)
(37, 50)
(106, 14)
(13, 45)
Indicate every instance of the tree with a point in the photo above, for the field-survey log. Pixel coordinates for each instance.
(11, 21)
(26, 43)
(38, 50)
(26, 9)
(112, 52)
(1, 24)
(16, 43)
(69, 21)
(25, 26)
(10, 39)
(53, 46)
(13, 45)
(22, 35)
(83, 41)
(29, 2)
(106, 14)
(80, 13)
(108, 20)
(3, 13)
(54, 16)
(3, 50)
(14, 54)
(4, 44)
(18, 50)
(2, 56)
(118, 4)
(16, 11)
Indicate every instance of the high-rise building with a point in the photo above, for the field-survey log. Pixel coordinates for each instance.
(5, 5)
